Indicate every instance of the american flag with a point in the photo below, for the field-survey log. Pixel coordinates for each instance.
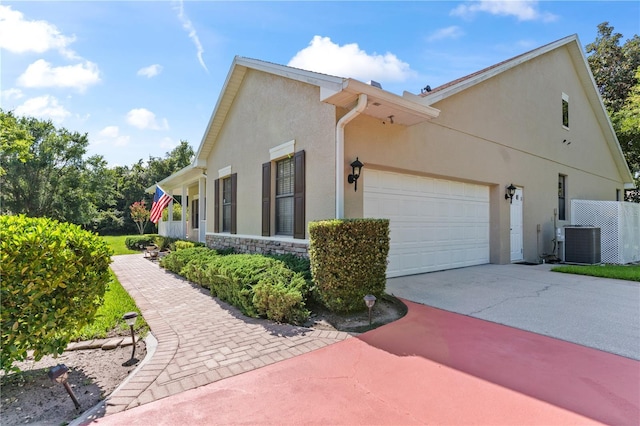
(160, 200)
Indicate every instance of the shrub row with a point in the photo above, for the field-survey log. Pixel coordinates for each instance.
(53, 277)
(259, 286)
(140, 242)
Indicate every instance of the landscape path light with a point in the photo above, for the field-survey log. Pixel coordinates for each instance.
(369, 300)
(60, 374)
(130, 319)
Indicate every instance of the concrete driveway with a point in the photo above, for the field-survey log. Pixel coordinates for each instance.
(594, 312)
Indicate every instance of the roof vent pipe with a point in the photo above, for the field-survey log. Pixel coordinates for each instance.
(360, 106)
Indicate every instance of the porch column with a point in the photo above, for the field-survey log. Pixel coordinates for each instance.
(185, 205)
(202, 194)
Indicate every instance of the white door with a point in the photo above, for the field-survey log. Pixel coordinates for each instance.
(516, 227)
(435, 224)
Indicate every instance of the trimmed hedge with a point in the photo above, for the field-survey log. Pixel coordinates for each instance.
(53, 276)
(348, 260)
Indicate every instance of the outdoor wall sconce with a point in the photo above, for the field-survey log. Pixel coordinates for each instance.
(369, 300)
(511, 191)
(356, 168)
(60, 374)
(130, 319)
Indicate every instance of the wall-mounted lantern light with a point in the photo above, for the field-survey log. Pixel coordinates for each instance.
(369, 300)
(511, 191)
(60, 374)
(356, 167)
(130, 319)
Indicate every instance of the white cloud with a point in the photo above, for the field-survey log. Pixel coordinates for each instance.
(322, 55)
(451, 32)
(150, 71)
(523, 10)
(18, 35)
(188, 26)
(144, 119)
(42, 74)
(110, 135)
(44, 107)
(168, 143)
(12, 94)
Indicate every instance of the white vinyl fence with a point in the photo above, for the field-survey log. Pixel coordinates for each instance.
(619, 224)
(171, 229)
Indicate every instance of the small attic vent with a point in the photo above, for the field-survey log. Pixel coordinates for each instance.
(375, 84)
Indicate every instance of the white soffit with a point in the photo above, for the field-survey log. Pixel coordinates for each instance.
(380, 104)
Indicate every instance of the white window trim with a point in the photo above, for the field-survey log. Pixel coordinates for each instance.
(224, 172)
(283, 150)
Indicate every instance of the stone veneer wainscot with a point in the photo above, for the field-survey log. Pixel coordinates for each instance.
(254, 244)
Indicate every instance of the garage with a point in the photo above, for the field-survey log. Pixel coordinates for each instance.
(435, 224)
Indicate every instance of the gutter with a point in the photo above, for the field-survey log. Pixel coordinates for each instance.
(360, 106)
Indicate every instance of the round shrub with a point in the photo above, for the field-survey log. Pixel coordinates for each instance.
(53, 276)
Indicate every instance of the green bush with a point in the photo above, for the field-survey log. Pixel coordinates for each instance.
(139, 242)
(259, 286)
(176, 260)
(182, 244)
(348, 260)
(295, 263)
(53, 278)
(280, 295)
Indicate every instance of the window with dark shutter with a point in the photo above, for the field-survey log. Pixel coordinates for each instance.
(234, 207)
(284, 196)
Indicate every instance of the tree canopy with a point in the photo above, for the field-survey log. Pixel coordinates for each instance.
(45, 173)
(616, 71)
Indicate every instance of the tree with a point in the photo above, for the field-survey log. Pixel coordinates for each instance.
(53, 179)
(616, 70)
(613, 66)
(626, 121)
(15, 140)
(140, 215)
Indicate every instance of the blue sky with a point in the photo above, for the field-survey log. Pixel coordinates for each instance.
(140, 76)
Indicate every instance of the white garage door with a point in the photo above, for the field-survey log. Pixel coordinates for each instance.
(435, 224)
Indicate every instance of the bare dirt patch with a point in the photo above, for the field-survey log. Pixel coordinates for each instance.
(30, 397)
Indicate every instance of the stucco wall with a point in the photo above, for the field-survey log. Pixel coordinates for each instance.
(269, 111)
(505, 130)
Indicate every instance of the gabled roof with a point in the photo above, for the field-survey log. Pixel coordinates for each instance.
(582, 68)
(339, 91)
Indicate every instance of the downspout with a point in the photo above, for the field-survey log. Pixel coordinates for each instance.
(360, 106)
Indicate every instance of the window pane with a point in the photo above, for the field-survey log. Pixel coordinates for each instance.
(565, 113)
(284, 196)
(284, 216)
(561, 198)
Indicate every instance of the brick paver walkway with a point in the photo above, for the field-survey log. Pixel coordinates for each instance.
(200, 339)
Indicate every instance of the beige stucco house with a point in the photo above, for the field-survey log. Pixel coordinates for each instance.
(277, 151)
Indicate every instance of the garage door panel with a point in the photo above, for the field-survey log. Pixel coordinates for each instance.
(435, 224)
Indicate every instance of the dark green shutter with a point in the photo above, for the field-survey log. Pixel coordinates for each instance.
(234, 210)
(216, 205)
(299, 224)
(266, 199)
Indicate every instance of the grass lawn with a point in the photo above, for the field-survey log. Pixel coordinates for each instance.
(117, 244)
(109, 316)
(116, 303)
(619, 272)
